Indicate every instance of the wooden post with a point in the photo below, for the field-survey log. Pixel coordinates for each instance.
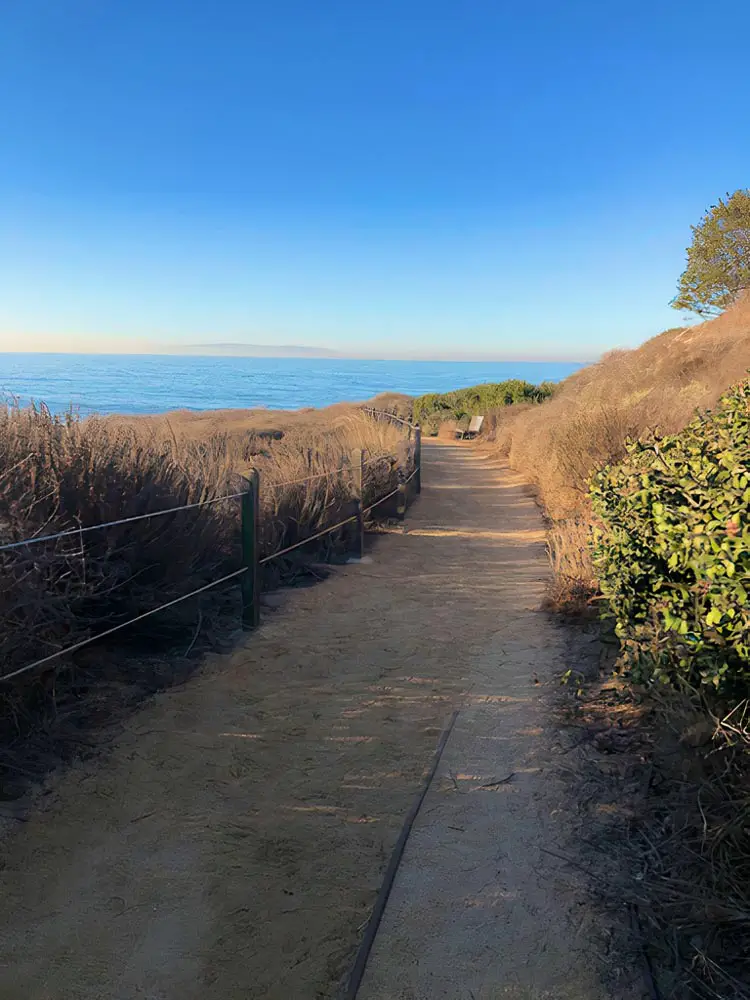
(401, 502)
(250, 581)
(418, 459)
(358, 470)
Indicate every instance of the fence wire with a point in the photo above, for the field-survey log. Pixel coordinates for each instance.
(113, 524)
(209, 586)
(304, 541)
(68, 532)
(193, 593)
(116, 628)
(324, 475)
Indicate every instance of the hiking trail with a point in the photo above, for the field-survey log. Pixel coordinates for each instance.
(229, 842)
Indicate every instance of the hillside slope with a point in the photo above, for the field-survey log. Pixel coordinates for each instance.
(657, 385)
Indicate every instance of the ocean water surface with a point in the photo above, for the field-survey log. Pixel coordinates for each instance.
(152, 383)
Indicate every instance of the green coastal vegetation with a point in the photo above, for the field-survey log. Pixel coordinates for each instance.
(433, 408)
(672, 550)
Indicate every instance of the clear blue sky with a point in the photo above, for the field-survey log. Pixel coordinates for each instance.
(491, 176)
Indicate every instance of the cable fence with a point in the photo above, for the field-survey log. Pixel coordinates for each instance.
(249, 575)
(387, 415)
(326, 475)
(36, 539)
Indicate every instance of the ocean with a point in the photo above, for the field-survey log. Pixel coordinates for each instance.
(109, 383)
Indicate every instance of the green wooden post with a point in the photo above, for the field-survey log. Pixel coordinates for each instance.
(401, 502)
(358, 471)
(418, 458)
(250, 539)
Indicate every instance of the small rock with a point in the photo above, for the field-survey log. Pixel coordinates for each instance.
(271, 600)
(698, 734)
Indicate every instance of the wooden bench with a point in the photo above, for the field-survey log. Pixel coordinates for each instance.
(472, 430)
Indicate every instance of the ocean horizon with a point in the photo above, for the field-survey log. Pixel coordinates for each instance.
(157, 383)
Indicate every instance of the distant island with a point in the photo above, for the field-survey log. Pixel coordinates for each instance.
(236, 350)
(252, 350)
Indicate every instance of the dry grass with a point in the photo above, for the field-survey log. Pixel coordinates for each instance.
(585, 425)
(58, 475)
(663, 789)
(572, 590)
(198, 425)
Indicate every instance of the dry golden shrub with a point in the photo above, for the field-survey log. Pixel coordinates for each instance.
(59, 475)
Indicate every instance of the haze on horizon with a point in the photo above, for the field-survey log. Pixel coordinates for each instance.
(49, 345)
(390, 180)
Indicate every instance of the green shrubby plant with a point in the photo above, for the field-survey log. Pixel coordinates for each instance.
(671, 548)
(478, 399)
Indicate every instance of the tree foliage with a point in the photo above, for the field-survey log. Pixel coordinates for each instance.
(718, 259)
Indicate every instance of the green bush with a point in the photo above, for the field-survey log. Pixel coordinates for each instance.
(478, 399)
(672, 549)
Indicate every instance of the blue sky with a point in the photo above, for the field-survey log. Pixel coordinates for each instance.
(425, 176)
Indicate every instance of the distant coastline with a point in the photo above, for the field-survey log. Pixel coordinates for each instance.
(248, 351)
(298, 351)
(292, 351)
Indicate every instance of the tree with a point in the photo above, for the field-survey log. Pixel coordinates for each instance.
(718, 259)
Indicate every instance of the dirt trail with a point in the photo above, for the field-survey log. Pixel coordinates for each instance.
(231, 842)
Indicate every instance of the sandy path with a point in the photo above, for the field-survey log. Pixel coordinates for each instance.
(231, 843)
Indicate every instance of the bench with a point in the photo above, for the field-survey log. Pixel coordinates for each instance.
(472, 430)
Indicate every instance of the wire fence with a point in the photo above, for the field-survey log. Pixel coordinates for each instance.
(326, 475)
(36, 539)
(248, 574)
(29, 667)
(386, 415)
